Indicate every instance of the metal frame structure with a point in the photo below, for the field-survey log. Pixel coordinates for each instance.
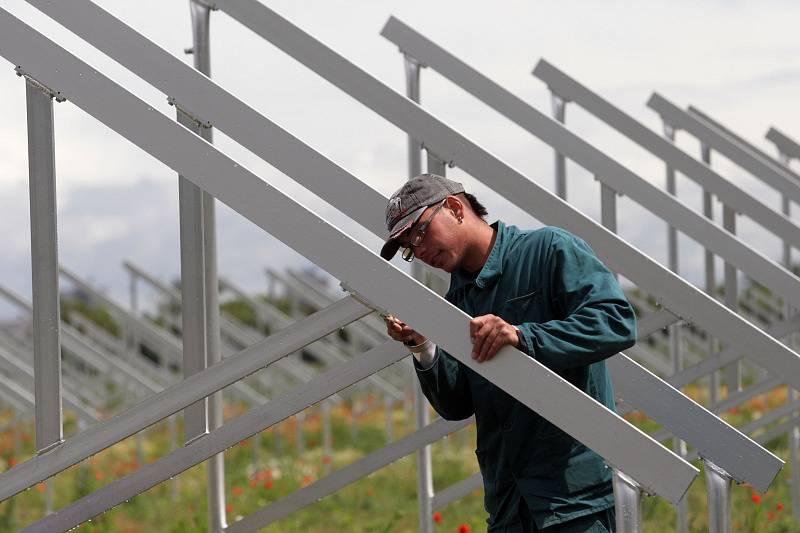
(374, 284)
(380, 282)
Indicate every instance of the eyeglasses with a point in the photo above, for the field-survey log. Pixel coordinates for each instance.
(418, 235)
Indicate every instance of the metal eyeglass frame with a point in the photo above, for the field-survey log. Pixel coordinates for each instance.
(419, 235)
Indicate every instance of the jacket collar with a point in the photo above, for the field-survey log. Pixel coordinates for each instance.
(492, 268)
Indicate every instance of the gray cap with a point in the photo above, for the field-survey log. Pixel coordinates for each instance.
(409, 202)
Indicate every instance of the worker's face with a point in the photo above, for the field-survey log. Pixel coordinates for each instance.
(442, 246)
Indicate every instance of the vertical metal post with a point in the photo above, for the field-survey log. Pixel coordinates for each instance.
(627, 494)
(300, 418)
(675, 341)
(718, 485)
(628, 504)
(421, 416)
(173, 444)
(44, 267)
(733, 377)
(200, 15)
(388, 402)
(559, 113)
(133, 341)
(327, 437)
(711, 277)
(794, 433)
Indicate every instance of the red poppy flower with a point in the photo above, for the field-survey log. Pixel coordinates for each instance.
(463, 528)
(40, 487)
(11, 462)
(228, 508)
(437, 517)
(252, 483)
(268, 484)
(756, 498)
(236, 491)
(99, 475)
(779, 507)
(770, 515)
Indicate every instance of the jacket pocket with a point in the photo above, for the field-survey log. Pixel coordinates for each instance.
(524, 308)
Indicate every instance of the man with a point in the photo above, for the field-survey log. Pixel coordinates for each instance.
(543, 292)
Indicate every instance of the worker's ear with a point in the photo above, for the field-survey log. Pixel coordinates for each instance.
(456, 207)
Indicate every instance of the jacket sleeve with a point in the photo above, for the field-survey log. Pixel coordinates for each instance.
(598, 321)
(446, 386)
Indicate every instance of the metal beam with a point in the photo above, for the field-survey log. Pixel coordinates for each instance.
(44, 266)
(777, 178)
(365, 272)
(785, 144)
(675, 158)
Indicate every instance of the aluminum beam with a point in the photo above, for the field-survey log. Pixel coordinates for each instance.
(347, 475)
(287, 153)
(218, 440)
(616, 176)
(44, 266)
(676, 159)
(657, 469)
(776, 177)
(785, 144)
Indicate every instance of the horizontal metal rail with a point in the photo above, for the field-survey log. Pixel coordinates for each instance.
(571, 90)
(220, 439)
(676, 117)
(619, 443)
(347, 475)
(785, 144)
(171, 400)
(607, 170)
(284, 152)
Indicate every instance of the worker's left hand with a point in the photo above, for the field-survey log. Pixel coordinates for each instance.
(488, 334)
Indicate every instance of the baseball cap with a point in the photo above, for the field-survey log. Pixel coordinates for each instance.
(410, 201)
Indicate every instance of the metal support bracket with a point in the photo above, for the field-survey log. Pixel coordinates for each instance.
(207, 3)
(432, 154)
(363, 299)
(188, 114)
(41, 86)
(411, 59)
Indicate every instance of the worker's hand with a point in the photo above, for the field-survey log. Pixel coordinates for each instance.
(400, 331)
(488, 334)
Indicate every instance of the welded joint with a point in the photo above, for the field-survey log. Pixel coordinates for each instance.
(363, 299)
(50, 447)
(669, 131)
(616, 192)
(39, 85)
(413, 61)
(188, 114)
(716, 468)
(207, 3)
(449, 164)
(557, 102)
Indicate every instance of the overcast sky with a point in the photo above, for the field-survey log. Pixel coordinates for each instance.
(737, 61)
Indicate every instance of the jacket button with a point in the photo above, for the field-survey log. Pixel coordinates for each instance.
(507, 426)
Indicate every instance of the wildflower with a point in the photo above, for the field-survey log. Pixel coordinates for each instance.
(228, 508)
(326, 459)
(40, 487)
(756, 498)
(463, 528)
(268, 484)
(252, 483)
(236, 491)
(733, 410)
(307, 480)
(99, 475)
(437, 517)
(770, 515)
(11, 462)
(779, 507)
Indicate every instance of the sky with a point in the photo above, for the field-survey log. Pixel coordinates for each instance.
(737, 61)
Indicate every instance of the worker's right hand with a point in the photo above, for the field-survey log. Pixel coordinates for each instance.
(401, 332)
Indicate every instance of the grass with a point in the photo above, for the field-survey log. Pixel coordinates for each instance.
(384, 501)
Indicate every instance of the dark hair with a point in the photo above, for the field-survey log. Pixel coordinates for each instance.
(476, 206)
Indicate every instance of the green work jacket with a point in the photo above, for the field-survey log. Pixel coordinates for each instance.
(572, 315)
